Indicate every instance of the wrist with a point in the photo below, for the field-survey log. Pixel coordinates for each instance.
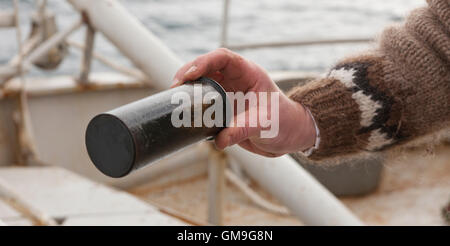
(303, 128)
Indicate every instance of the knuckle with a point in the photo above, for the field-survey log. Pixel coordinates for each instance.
(243, 132)
(239, 60)
(224, 50)
(199, 60)
(240, 135)
(227, 53)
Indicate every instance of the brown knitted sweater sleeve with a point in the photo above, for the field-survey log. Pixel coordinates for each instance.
(391, 95)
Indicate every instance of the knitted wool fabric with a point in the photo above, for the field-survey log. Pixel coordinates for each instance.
(391, 95)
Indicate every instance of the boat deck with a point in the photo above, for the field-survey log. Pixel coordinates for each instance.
(73, 200)
(413, 191)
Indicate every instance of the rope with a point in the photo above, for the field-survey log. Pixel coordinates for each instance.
(25, 128)
(253, 196)
(37, 216)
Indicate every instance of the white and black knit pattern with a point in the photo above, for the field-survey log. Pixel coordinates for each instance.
(374, 105)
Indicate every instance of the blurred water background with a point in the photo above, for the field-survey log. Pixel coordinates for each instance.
(192, 27)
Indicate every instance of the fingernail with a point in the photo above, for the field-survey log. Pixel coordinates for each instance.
(191, 70)
(217, 147)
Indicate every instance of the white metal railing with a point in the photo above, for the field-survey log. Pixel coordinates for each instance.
(7, 19)
(36, 47)
(298, 190)
(224, 37)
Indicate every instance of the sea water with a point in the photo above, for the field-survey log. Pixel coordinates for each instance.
(193, 27)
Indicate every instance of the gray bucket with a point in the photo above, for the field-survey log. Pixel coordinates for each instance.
(346, 178)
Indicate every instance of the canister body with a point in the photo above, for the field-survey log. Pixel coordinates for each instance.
(134, 135)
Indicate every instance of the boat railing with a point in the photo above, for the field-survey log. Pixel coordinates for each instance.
(224, 40)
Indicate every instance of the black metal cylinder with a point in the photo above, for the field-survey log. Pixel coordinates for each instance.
(134, 135)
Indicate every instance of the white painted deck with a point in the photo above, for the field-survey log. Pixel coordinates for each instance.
(413, 190)
(75, 200)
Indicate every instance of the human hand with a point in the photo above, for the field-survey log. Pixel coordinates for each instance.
(236, 74)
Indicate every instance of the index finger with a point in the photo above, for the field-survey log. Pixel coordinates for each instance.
(217, 60)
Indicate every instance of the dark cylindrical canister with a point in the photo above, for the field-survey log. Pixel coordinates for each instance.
(134, 135)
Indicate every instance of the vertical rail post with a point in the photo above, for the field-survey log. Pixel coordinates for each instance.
(7, 19)
(87, 54)
(216, 187)
(224, 30)
(132, 39)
